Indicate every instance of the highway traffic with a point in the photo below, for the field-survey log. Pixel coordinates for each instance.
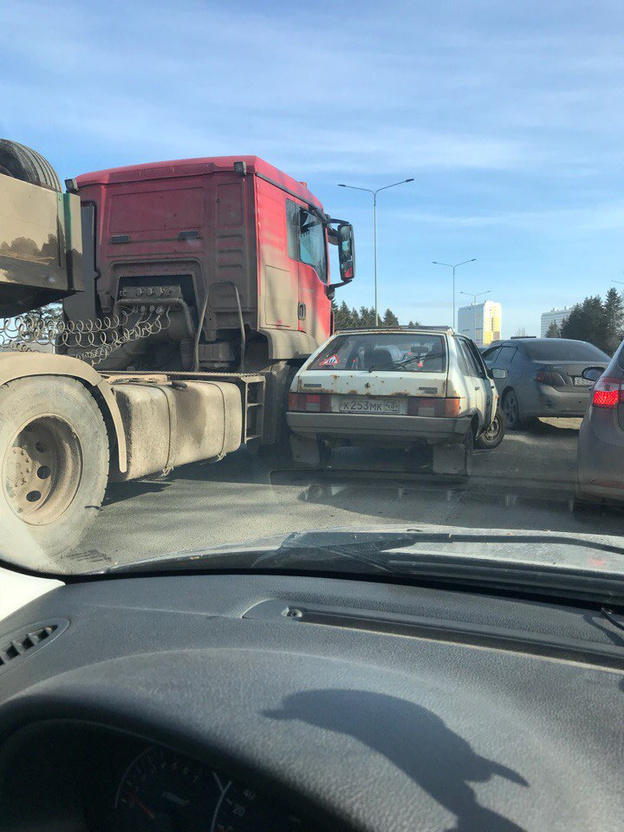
(526, 483)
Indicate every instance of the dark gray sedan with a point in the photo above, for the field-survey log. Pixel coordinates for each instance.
(543, 377)
(600, 454)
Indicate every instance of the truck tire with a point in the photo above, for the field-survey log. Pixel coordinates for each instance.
(54, 458)
(26, 164)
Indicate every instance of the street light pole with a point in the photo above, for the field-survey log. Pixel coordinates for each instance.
(451, 266)
(474, 297)
(374, 193)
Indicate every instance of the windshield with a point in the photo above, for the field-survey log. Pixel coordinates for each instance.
(396, 352)
(195, 361)
(557, 350)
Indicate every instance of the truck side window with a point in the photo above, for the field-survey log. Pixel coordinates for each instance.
(292, 229)
(312, 243)
(306, 238)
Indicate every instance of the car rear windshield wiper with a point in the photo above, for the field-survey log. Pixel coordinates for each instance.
(423, 358)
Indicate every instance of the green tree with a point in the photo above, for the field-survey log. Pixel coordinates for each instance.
(346, 318)
(613, 319)
(367, 316)
(587, 322)
(343, 316)
(553, 330)
(390, 319)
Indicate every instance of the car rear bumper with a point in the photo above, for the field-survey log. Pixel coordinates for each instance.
(600, 456)
(549, 401)
(432, 430)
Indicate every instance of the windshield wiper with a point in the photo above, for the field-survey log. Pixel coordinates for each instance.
(407, 361)
(394, 555)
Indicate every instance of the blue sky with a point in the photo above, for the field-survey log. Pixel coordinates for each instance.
(508, 115)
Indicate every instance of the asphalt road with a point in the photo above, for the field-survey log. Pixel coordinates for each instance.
(526, 483)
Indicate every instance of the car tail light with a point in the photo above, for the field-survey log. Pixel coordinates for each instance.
(309, 402)
(550, 377)
(545, 377)
(607, 392)
(429, 406)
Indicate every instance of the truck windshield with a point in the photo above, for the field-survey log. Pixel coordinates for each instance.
(391, 352)
(312, 244)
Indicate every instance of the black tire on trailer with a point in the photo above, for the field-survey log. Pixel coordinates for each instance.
(494, 434)
(26, 164)
(54, 456)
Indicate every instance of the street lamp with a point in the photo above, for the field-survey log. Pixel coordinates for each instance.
(456, 266)
(474, 297)
(374, 193)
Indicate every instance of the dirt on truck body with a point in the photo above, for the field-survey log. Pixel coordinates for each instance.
(192, 291)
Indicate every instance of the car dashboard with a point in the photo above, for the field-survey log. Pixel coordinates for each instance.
(231, 703)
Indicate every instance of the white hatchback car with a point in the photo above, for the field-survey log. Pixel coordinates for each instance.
(398, 387)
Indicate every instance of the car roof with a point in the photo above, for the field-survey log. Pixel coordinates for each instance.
(384, 330)
(509, 342)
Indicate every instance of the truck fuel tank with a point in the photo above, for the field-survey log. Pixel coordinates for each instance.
(171, 423)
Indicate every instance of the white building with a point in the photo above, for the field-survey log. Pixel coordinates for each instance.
(481, 322)
(555, 315)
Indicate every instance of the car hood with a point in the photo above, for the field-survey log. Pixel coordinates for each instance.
(582, 552)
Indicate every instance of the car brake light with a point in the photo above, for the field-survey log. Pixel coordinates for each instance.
(308, 402)
(551, 377)
(545, 377)
(429, 406)
(607, 392)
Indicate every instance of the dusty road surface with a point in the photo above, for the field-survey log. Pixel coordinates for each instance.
(526, 483)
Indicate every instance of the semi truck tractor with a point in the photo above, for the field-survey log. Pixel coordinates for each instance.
(191, 292)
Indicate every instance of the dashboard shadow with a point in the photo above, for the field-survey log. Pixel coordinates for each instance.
(415, 740)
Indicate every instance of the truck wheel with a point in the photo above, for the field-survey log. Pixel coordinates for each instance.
(53, 468)
(492, 436)
(26, 164)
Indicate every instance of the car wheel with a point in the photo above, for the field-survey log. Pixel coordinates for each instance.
(493, 435)
(511, 410)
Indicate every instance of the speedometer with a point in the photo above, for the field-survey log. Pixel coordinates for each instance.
(242, 810)
(164, 792)
(161, 791)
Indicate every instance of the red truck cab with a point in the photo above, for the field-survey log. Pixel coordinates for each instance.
(236, 250)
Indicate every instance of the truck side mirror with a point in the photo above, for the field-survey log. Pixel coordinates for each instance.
(498, 373)
(346, 252)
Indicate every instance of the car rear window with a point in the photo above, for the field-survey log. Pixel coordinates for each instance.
(390, 352)
(558, 349)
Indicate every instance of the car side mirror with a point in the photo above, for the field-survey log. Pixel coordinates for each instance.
(592, 373)
(497, 373)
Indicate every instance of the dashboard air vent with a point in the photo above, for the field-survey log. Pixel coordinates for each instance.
(19, 644)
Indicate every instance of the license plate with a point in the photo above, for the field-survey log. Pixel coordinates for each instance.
(369, 404)
(579, 381)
